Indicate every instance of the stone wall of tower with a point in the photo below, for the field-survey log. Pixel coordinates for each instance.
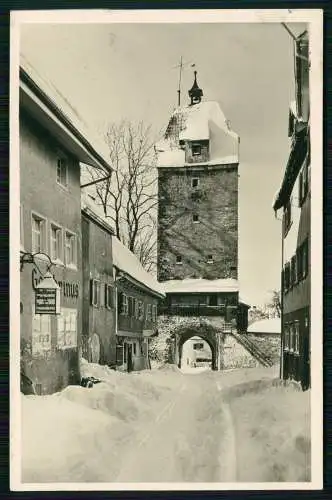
(215, 202)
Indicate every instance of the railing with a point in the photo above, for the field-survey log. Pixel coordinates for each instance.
(192, 310)
(252, 348)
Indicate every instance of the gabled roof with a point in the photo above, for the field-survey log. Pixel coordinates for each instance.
(127, 262)
(200, 122)
(45, 104)
(272, 325)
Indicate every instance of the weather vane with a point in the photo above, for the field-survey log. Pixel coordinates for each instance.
(181, 66)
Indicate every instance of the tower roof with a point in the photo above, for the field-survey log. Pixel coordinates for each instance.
(195, 93)
(204, 121)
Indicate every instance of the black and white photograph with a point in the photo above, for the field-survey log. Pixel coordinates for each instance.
(166, 250)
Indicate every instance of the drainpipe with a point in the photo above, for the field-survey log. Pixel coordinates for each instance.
(281, 369)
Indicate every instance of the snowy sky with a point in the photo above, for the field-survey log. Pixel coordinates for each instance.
(113, 71)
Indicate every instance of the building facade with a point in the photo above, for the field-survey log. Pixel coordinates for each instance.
(51, 149)
(98, 314)
(293, 199)
(137, 297)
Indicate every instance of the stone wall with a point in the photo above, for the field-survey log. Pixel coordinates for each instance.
(215, 233)
(175, 330)
(235, 355)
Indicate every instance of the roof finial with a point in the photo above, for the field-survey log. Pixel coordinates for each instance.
(195, 93)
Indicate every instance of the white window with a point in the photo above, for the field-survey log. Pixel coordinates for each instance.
(154, 313)
(109, 296)
(95, 292)
(38, 234)
(286, 337)
(296, 337)
(291, 338)
(148, 312)
(62, 171)
(140, 310)
(70, 249)
(41, 333)
(67, 328)
(56, 247)
(194, 183)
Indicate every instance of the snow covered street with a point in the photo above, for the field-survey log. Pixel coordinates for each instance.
(154, 426)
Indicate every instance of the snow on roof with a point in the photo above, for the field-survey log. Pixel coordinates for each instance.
(68, 110)
(203, 121)
(126, 261)
(200, 286)
(272, 325)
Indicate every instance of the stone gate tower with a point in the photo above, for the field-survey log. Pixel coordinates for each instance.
(198, 193)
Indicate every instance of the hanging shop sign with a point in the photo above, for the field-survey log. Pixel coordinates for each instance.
(47, 296)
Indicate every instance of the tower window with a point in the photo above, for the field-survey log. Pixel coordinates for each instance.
(196, 149)
(195, 182)
(195, 218)
(178, 259)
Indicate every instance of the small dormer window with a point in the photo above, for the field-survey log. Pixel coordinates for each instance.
(196, 149)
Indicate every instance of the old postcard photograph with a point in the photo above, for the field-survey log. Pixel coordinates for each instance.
(166, 250)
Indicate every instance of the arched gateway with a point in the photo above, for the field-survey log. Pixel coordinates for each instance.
(184, 329)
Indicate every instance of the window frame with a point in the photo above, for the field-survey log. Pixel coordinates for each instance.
(95, 285)
(68, 232)
(61, 156)
(109, 293)
(286, 337)
(124, 304)
(141, 310)
(287, 273)
(35, 216)
(154, 313)
(148, 316)
(64, 312)
(297, 337)
(293, 271)
(195, 179)
(195, 146)
(53, 225)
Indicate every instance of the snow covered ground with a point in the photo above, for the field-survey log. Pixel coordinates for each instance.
(165, 425)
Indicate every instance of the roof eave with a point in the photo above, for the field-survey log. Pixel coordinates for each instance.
(43, 109)
(295, 160)
(139, 284)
